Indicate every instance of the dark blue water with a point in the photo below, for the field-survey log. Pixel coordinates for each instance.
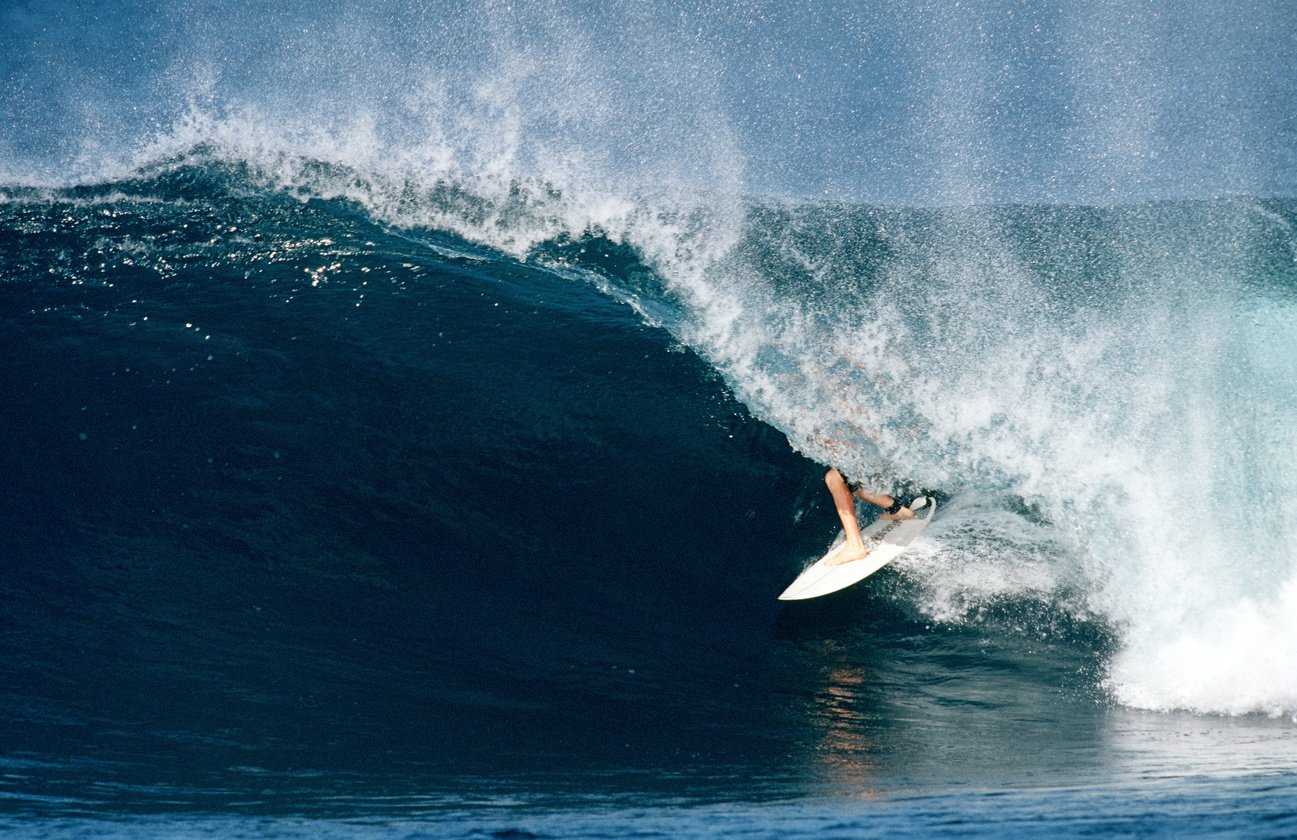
(407, 424)
(310, 516)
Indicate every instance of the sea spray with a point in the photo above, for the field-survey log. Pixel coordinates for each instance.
(1125, 375)
(1231, 644)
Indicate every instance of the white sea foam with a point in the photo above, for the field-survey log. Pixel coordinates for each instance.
(1149, 425)
(1149, 420)
(1210, 611)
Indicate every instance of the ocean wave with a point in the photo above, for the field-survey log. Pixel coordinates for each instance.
(1084, 383)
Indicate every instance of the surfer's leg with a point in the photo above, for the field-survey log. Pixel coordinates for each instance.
(846, 509)
(891, 508)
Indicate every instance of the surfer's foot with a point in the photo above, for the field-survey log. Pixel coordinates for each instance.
(849, 555)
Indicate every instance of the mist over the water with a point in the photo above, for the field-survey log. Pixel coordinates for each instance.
(900, 102)
(1107, 393)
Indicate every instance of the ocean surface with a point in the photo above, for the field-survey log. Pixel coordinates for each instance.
(409, 419)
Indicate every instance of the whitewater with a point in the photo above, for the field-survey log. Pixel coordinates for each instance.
(1041, 263)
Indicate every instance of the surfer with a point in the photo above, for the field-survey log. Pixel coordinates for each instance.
(843, 491)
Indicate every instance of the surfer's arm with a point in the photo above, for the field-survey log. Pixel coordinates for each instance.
(892, 508)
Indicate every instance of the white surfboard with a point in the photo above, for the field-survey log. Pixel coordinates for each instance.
(886, 540)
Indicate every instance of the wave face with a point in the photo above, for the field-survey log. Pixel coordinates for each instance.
(347, 353)
(289, 489)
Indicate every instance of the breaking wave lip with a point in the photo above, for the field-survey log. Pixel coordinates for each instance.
(1119, 391)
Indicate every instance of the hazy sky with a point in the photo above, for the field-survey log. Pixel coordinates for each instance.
(924, 102)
